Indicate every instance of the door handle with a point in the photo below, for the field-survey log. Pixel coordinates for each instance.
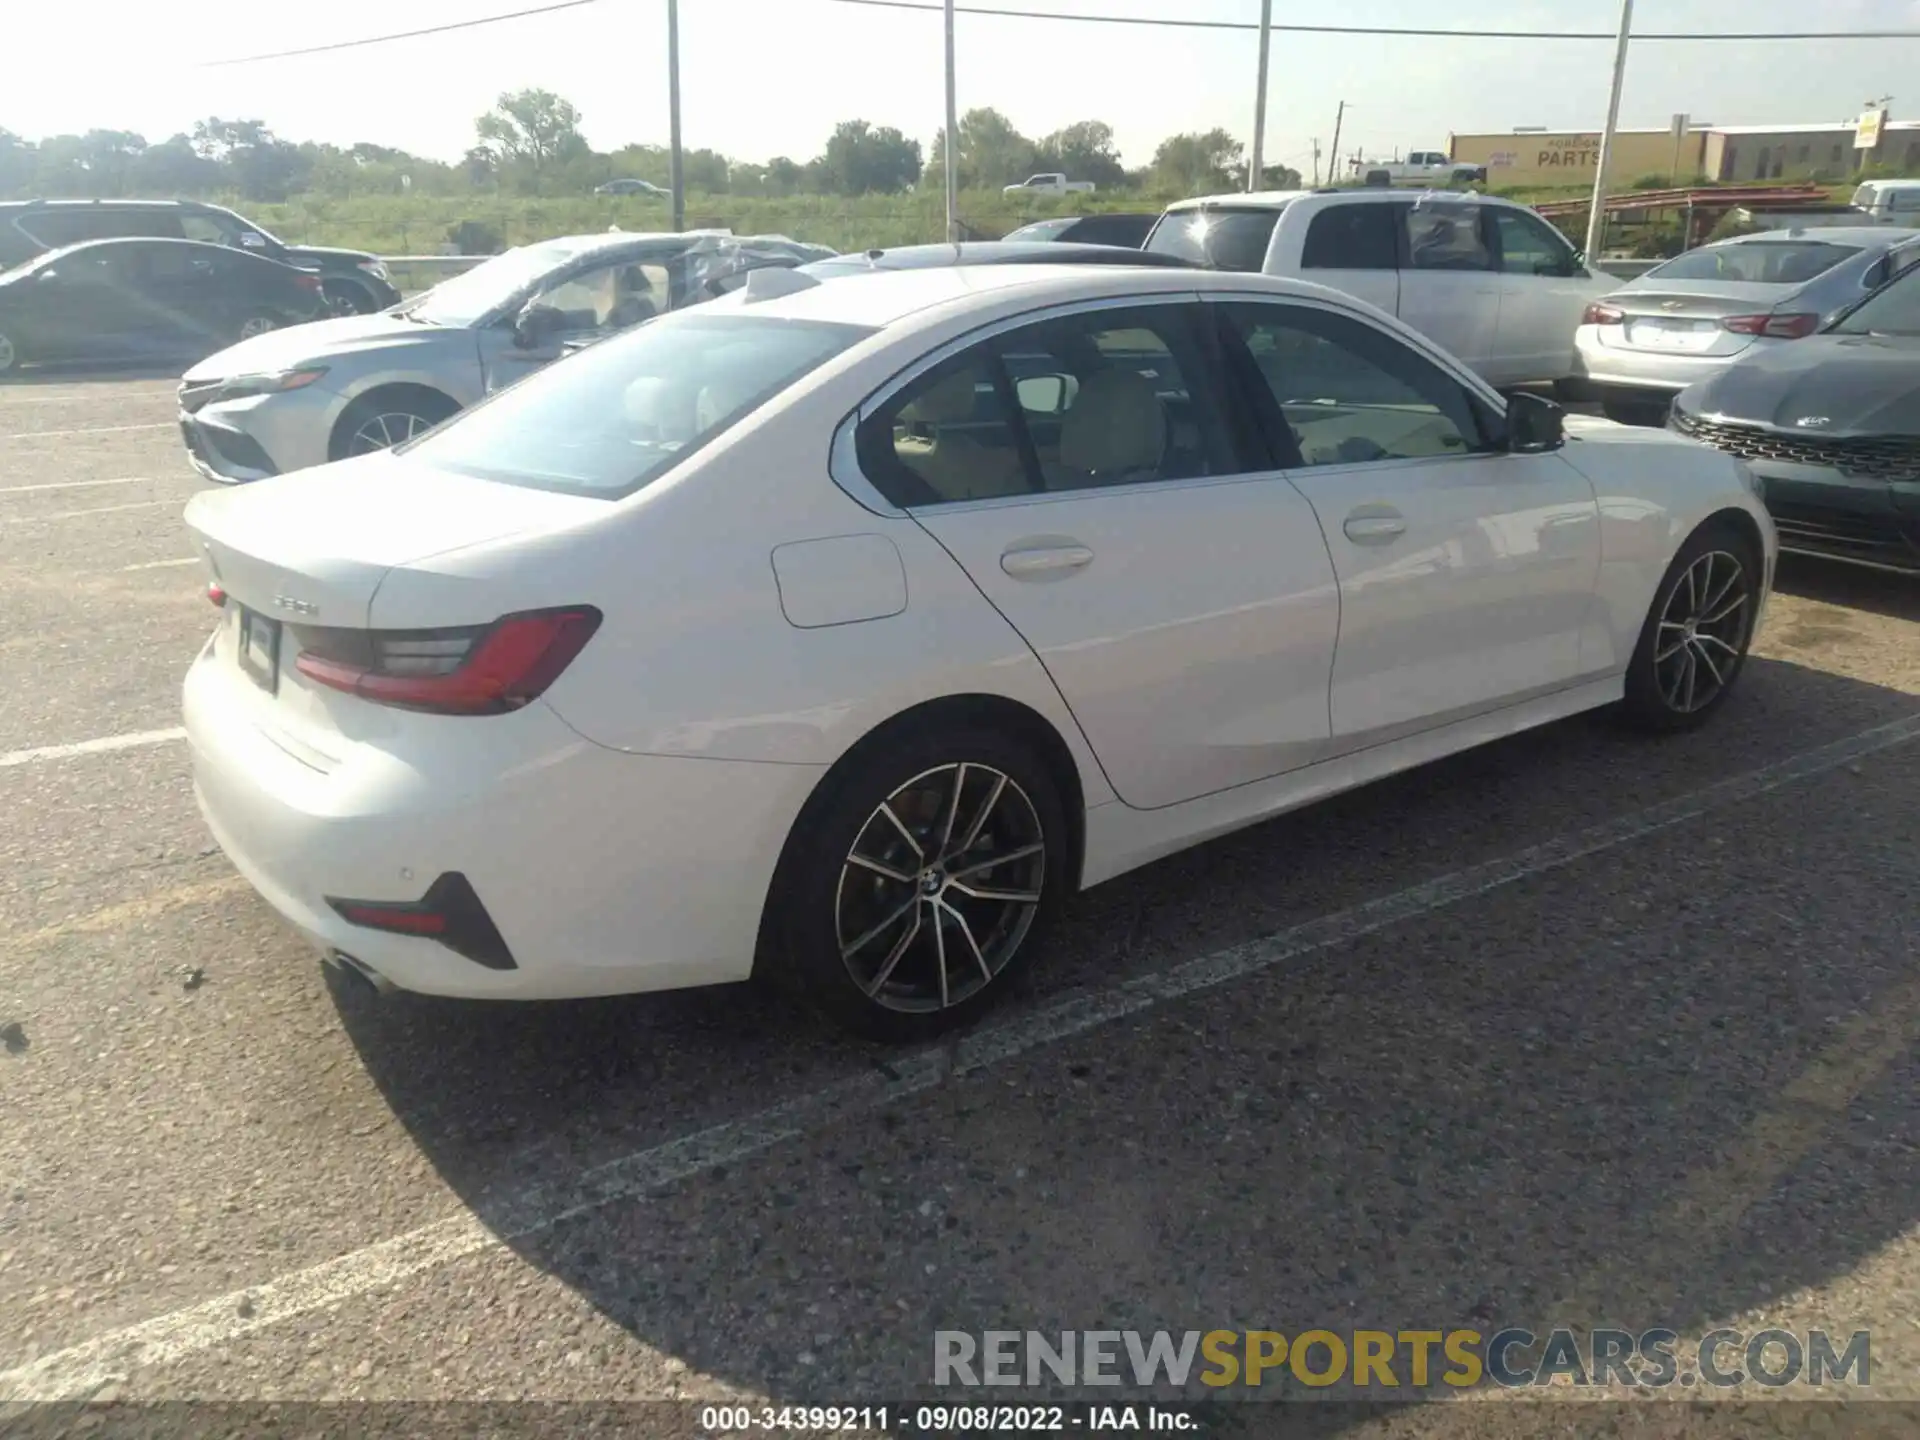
(1044, 560)
(1374, 526)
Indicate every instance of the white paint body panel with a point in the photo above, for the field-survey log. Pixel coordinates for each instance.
(624, 829)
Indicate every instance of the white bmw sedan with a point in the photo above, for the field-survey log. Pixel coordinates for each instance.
(838, 630)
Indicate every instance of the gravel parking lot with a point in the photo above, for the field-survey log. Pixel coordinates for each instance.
(1576, 1029)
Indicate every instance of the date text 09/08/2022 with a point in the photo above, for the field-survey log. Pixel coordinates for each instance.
(945, 1419)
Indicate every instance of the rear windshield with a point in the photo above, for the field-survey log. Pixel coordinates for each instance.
(620, 413)
(1756, 262)
(1217, 236)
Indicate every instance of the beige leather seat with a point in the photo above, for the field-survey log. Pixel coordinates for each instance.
(1115, 433)
(955, 464)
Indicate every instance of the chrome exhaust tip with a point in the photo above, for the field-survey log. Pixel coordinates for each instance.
(359, 970)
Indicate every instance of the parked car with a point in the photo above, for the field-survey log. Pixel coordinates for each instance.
(365, 382)
(1050, 184)
(631, 187)
(155, 300)
(986, 252)
(1891, 202)
(1424, 167)
(1698, 312)
(355, 282)
(1484, 278)
(1830, 427)
(837, 630)
(1117, 228)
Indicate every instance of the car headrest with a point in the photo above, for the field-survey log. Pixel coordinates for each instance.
(949, 402)
(1117, 424)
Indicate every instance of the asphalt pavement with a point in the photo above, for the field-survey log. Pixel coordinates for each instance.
(1574, 1029)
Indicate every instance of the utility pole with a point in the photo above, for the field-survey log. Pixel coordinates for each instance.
(952, 146)
(1597, 214)
(1254, 166)
(1333, 153)
(1316, 162)
(676, 171)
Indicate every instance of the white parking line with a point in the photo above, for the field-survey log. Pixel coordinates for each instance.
(82, 1369)
(160, 564)
(80, 514)
(94, 394)
(92, 747)
(75, 484)
(88, 430)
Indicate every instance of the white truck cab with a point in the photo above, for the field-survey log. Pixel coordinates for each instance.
(1487, 279)
(1053, 183)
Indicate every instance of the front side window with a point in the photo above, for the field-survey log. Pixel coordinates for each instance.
(1892, 311)
(1445, 237)
(1360, 236)
(608, 298)
(621, 413)
(1529, 246)
(1348, 393)
(1221, 237)
(1102, 398)
(465, 299)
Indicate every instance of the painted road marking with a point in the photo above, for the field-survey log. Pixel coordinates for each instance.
(76, 398)
(82, 1369)
(19, 520)
(131, 741)
(91, 430)
(160, 564)
(75, 485)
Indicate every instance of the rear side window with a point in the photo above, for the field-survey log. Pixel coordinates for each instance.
(1128, 230)
(1353, 237)
(1756, 262)
(1445, 237)
(1217, 236)
(622, 412)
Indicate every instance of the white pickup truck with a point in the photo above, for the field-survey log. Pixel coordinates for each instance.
(1486, 278)
(1421, 167)
(1054, 184)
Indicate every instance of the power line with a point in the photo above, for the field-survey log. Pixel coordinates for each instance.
(397, 35)
(1003, 13)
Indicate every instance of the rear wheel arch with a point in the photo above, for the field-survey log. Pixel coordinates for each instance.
(970, 713)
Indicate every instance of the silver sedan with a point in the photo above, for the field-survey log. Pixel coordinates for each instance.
(1682, 321)
(315, 393)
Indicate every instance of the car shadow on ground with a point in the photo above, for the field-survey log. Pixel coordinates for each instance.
(1656, 1087)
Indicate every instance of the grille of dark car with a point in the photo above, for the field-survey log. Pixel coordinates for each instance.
(1888, 457)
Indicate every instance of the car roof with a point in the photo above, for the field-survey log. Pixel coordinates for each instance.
(1370, 194)
(994, 252)
(98, 203)
(1887, 235)
(889, 298)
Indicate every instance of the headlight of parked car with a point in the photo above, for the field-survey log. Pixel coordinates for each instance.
(241, 386)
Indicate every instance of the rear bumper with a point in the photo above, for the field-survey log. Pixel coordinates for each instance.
(604, 872)
(1651, 371)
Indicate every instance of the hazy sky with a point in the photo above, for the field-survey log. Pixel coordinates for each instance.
(766, 77)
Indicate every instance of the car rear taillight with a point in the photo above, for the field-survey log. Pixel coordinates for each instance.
(475, 670)
(1598, 314)
(1776, 327)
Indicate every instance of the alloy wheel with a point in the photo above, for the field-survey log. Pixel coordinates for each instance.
(940, 888)
(7, 355)
(384, 431)
(255, 326)
(1699, 642)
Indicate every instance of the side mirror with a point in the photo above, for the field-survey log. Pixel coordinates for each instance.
(47, 275)
(537, 326)
(1534, 424)
(252, 240)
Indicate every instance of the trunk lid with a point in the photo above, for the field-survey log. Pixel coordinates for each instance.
(1688, 322)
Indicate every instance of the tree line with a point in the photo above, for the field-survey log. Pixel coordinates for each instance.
(530, 144)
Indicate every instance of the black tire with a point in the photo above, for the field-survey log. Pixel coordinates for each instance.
(344, 297)
(398, 412)
(821, 897)
(1660, 699)
(10, 356)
